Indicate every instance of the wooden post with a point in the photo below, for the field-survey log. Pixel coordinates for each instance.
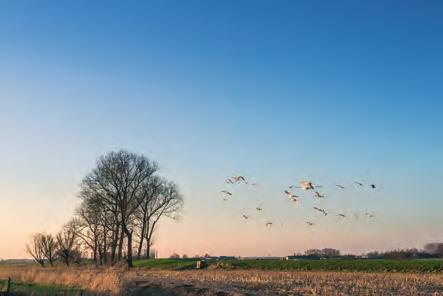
(8, 286)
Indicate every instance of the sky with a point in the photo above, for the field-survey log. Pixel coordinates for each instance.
(279, 91)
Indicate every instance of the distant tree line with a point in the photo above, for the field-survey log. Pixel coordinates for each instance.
(431, 250)
(434, 249)
(323, 253)
(185, 256)
(123, 200)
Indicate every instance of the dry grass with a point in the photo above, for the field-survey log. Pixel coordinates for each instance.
(100, 280)
(230, 282)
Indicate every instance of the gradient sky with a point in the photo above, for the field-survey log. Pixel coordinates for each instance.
(276, 90)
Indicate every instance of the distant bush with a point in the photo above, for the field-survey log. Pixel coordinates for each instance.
(434, 249)
(406, 254)
(375, 255)
(323, 253)
(401, 254)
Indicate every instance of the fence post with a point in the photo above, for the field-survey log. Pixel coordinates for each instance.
(8, 286)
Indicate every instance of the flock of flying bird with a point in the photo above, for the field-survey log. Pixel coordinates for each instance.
(289, 192)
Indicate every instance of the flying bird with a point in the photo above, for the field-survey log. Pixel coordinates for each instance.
(340, 186)
(310, 223)
(294, 200)
(226, 192)
(318, 195)
(290, 194)
(306, 185)
(372, 186)
(239, 179)
(320, 210)
(359, 183)
(245, 216)
(269, 224)
(369, 215)
(259, 209)
(341, 215)
(229, 181)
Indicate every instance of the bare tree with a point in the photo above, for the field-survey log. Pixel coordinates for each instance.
(49, 247)
(123, 201)
(150, 193)
(117, 181)
(35, 249)
(67, 247)
(174, 256)
(88, 229)
(166, 204)
(101, 231)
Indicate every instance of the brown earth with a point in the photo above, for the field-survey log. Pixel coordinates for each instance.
(229, 282)
(281, 283)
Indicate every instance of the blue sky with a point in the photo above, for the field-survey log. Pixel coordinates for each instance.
(276, 90)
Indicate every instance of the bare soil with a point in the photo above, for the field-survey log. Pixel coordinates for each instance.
(281, 283)
(141, 281)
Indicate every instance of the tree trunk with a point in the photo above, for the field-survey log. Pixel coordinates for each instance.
(142, 238)
(150, 232)
(120, 245)
(129, 236)
(139, 249)
(130, 250)
(148, 249)
(94, 253)
(105, 246)
(148, 240)
(100, 255)
(115, 242)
